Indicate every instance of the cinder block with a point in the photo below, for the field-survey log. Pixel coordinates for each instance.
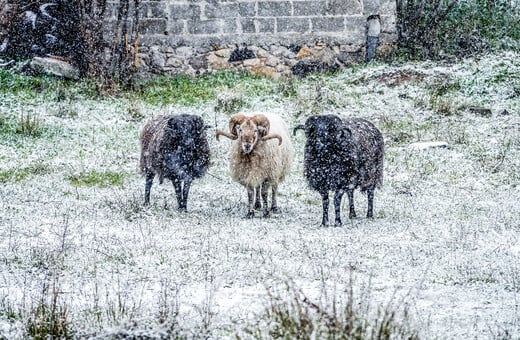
(274, 8)
(345, 7)
(309, 8)
(291, 24)
(204, 26)
(247, 9)
(153, 9)
(221, 10)
(265, 25)
(371, 7)
(248, 25)
(153, 26)
(182, 11)
(176, 27)
(356, 29)
(328, 24)
(230, 26)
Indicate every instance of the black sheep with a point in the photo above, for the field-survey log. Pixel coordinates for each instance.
(174, 147)
(340, 156)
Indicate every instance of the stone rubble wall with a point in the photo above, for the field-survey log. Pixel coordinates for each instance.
(267, 37)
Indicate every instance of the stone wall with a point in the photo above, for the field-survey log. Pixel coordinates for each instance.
(270, 37)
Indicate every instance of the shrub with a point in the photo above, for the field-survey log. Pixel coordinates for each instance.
(434, 29)
(49, 319)
(292, 315)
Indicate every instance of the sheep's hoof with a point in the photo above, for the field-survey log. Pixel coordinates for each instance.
(338, 224)
(352, 214)
(267, 213)
(275, 210)
(258, 206)
(250, 214)
(370, 216)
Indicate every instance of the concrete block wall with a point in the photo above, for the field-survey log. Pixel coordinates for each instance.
(197, 36)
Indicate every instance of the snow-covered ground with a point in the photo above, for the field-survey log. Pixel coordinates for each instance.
(446, 232)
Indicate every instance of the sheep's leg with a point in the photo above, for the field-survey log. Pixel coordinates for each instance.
(185, 192)
(352, 212)
(148, 186)
(251, 201)
(325, 201)
(274, 205)
(258, 202)
(265, 194)
(178, 192)
(337, 207)
(370, 195)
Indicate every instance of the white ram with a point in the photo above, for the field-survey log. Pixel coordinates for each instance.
(261, 156)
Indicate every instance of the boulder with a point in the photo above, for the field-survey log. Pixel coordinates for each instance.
(55, 67)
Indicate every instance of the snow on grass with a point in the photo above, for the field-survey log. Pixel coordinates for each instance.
(446, 231)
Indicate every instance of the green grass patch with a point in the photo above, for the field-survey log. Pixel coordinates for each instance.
(101, 179)
(27, 124)
(185, 90)
(19, 174)
(12, 82)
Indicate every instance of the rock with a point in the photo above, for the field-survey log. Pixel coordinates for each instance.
(427, 145)
(200, 63)
(261, 53)
(481, 111)
(157, 58)
(216, 63)
(173, 62)
(281, 51)
(325, 55)
(265, 72)
(304, 53)
(240, 54)
(223, 53)
(272, 61)
(55, 67)
(252, 62)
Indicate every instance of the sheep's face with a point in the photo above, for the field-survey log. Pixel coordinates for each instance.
(249, 131)
(323, 130)
(185, 148)
(186, 131)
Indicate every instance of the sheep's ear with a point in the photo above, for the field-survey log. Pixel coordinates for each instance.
(199, 123)
(344, 133)
(172, 123)
(172, 126)
(234, 122)
(298, 127)
(262, 123)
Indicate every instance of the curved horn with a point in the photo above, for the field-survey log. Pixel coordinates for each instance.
(226, 134)
(234, 121)
(261, 121)
(272, 136)
(298, 127)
